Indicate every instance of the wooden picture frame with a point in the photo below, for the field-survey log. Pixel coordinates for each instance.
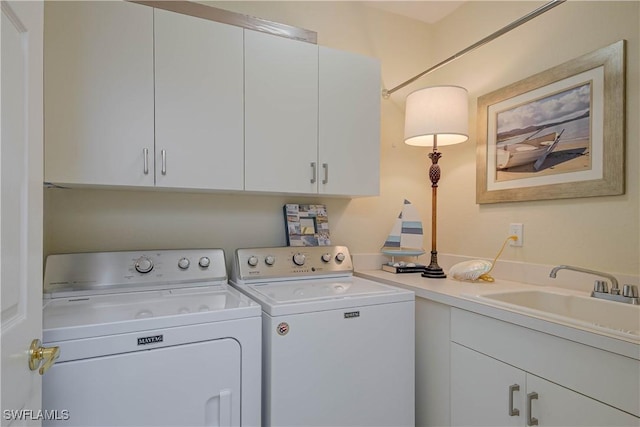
(557, 134)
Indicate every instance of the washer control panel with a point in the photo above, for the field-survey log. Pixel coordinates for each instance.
(290, 262)
(109, 272)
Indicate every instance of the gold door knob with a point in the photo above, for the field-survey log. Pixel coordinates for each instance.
(38, 354)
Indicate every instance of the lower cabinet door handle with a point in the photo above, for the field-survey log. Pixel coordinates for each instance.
(164, 162)
(513, 412)
(531, 420)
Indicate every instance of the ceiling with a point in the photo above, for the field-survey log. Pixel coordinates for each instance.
(426, 11)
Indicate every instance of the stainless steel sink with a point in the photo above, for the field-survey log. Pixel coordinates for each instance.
(616, 318)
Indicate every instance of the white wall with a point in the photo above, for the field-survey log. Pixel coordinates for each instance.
(601, 233)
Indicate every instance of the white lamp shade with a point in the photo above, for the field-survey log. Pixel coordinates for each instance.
(438, 110)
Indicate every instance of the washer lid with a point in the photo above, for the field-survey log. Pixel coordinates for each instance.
(300, 296)
(92, 316)
(309, 290)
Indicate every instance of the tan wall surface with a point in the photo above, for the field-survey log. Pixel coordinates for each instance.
(600, 233)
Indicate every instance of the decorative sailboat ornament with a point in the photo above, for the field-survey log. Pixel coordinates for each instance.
(405, 239)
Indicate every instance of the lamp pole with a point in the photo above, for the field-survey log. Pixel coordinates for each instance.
(433, 270)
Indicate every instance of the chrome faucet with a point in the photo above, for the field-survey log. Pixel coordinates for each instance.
(629, 295)
(614, 282)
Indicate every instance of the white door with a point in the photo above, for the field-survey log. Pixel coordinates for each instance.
(199, 103)
(557, 406)
(349, 124)
(485, 391)
(99, 93)
(21, 205)
(281, 114)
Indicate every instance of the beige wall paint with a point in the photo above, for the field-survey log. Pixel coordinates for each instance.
(601, 233)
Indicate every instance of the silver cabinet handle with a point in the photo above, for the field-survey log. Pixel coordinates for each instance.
(313, 172)
(513, 412)
(325, 166)
(531, 421)
(145, 153)
(164, 162)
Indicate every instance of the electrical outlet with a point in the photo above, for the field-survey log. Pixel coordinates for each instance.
(515, 229)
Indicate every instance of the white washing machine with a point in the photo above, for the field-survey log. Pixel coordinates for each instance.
(338, 350)
(149, 338)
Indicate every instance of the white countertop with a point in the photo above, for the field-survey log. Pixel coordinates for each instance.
(452, 292)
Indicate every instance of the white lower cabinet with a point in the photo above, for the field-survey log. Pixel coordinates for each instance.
(488, 392)
(503, 374)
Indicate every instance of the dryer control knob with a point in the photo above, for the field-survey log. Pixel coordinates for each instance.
(299, 259)
(143, 265)
(270, 260)
(339, 257)
(326, 257)
(253, 260)
(204, 262)
(183, 263)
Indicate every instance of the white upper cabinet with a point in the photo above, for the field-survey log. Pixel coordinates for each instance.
(281, 114)
(199, 103)
(349, 124)
(98, 93)
(144, 97)
(312, 118)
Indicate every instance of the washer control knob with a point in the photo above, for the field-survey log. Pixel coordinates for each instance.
(253, 260)
(339, 257)
(270, 260)
(204, 262)
(299, 259)
(184, 263)
(143, 265)
(326, 257)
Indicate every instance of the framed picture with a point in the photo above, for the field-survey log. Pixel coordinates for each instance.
(557, 134)
(307, 225)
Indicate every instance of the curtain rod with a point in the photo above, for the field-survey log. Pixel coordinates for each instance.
(553, 3)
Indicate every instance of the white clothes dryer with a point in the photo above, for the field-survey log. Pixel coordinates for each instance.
(338, 350)
(149, 338)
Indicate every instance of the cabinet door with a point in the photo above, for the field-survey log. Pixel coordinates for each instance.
(481, 396)
(349, 124)
(281, 114)
(199, 103)
(98, 101)
(559, 406)
(480, 390)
